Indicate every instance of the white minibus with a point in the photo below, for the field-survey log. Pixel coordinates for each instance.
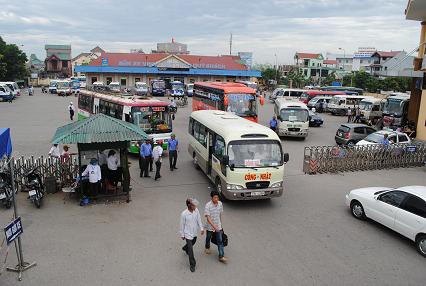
(339, 104)
(292, 117)
(371, 109)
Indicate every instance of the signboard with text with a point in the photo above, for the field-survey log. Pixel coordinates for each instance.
(13, 230)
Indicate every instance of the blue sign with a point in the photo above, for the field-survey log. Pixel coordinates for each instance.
(336, 83)
(104, 61)
(411, 148)
(13, 230)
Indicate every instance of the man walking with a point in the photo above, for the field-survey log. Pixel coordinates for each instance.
(190, 224)
(173, 149)
(273, 123)
(349, 112)
(157, 152)
(357, 115)
(145, 156)
(71, 110)
(213, 212)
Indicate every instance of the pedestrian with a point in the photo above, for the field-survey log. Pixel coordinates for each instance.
(190, 224)
(213, 213)
(173, 150)
(173, 108)
(385, 142)
(145, 157)
(273, 123)
(65, 156)
(113, 163)
(55, 152)
(30, 90)
(157, 153)
(357, 115)
(349, 112)
(71, 110)
(94, 172)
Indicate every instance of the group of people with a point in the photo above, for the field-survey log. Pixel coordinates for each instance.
(354, 115)
(151, 153)
(191, 225)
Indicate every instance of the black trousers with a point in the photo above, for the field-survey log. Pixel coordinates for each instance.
(151, 162)
(71, 114)
(144, 164)
(172, 158)
(93, 189)
(189, 249)
(157, 169)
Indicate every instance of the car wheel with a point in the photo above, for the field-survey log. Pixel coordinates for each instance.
(421, 244)
(357, 210)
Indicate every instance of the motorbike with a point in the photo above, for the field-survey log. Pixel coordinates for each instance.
(6, 196)
(35, 187)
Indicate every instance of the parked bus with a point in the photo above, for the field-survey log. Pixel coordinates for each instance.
(371, 109)
(158, 87)
(395, 111)
(176, 89)
(340, 104)
(247, 83)
(53, 86)
(152, 115)
(226, 96)
(309, 94)
(290, 92)
(292, 117)
(63, 87)
(349, 90)
(243, 159)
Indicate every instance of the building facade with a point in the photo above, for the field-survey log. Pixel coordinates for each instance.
(129, 68)
(58, 60)
(310, 64)
(85, 58)
(172, 48)
(379, 58)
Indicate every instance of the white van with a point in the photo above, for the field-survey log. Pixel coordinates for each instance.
(317, 102)
(339, 104)
(63, 87)
(290, 93)
(13, 86)
(371, 109)
(292, 117)
(114, 86)
(242, 158)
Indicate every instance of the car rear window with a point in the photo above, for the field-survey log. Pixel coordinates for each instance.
(344, 128)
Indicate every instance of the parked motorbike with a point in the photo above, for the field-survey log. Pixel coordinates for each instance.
(35, 187)
(6, 196)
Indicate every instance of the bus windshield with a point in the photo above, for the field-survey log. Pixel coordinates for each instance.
(364, 105)
(152, 119)
(254, 153)
(63, 84)
(177, 86)
(393, 107)
(294, 114)
(159, 84)
(53, 83)
(242, 104)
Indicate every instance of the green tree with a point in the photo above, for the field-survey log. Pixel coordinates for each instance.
(12, 62)
(297, 78)
(269, 73)
(331, 77)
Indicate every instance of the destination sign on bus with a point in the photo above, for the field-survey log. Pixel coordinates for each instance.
(152, 108)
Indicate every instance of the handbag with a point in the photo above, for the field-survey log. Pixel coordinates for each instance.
(224, 239)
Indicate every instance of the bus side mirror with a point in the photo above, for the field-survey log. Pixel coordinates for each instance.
(262, 100)
(286, 157)
(225, 160)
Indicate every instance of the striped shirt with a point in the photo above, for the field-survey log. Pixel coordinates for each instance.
(190, 224)
(214, 212)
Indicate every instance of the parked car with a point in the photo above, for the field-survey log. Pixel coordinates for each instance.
(394, 137)
(314, 119)
(402, 210)
(6, 93)
(351, 133)
(13, 86)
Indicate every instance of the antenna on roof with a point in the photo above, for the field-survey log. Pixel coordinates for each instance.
(230, 45)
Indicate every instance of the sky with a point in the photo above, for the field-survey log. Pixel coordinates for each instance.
(266, 28)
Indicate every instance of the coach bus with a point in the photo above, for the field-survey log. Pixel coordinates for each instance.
(226, 96)
(152, 115)
(243, 159)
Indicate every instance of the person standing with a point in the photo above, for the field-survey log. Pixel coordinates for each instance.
(145, 155)
(190, 224)
(173, 150)
(385, 141)
(349, 113)
(113, 163)
(213, 213)
(273, 123)
(157, 153)
(71, 110)
(94, 172)
(357, 115)
(55, 152)
(30, 90)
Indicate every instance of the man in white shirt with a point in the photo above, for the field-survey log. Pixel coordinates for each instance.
(190, 224)
(94, 172)
(55, 152)
(71, 110)
(157, 153)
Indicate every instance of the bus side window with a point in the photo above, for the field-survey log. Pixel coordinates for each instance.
(219, 147)
(191, 126)
(196, 130)
(127, 117)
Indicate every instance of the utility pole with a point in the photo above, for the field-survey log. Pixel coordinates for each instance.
(230, 45)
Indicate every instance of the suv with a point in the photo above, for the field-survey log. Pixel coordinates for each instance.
(5, 93)
(351, 133)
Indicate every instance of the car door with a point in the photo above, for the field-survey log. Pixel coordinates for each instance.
(411, 219)
(385, 207)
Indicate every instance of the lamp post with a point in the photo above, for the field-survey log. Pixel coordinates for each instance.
(276, 66)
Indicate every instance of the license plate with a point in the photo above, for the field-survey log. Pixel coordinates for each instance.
(2, 196)
(32, 193)
(255, 194)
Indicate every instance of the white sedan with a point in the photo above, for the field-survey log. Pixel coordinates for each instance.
(402, 210)
(377, 137)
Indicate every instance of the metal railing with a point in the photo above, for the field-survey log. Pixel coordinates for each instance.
(334, 159)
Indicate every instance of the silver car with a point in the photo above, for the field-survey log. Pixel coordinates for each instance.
(351, 133)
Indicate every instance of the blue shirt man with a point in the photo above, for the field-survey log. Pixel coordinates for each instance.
(273, 123)
(173, 146)
(146, 150)
(145, 158)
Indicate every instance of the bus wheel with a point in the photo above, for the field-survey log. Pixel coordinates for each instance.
(195, 161)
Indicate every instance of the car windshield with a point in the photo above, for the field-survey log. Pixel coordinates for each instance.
(364, 105)
(141, 85)
(63, 84)
(159, 84)
(152, 119)
(375, 138)
(254, 153)
(393, 107)
(242, 104)
(294, 114)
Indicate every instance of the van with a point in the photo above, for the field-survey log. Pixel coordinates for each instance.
(6, 93)
(114, 86)
(13, 86)
(371, 109)
(340, 104)
(243, 159)
(52, 86)
(292, 117)
(319, 103)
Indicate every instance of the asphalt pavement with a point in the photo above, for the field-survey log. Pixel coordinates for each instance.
(305, 237)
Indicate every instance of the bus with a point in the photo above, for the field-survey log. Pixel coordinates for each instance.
(243, 159)
(340, 104)
(395, 111)
(349, 90)
(292, 117)
(289, 93)
(176, 89)
(309, 94)
(152, 115)
(158, 87)
(226, 96)
(371, 109)
(250, 84)
(63, 87)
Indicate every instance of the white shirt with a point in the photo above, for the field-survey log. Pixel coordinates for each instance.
(71, 107)
(190, 224)
(55, 152)
(157, 152)
(94, 172)
(112, 162)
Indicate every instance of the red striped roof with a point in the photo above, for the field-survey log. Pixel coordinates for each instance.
(390, 54)
(330, 62)
(203, 62)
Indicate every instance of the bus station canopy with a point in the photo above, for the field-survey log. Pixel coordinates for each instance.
(98, 128)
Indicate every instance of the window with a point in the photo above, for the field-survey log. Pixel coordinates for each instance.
(376, 107)
(123, 82)
(2, 89)
(394, 198)
(202, 136)
(402, 138)
(415, 205)
(359, 130)
(392, 138)
(346, 61)
(306, 62)
(64, 64)
(137, 79)
(191, 126)
(219, 147)
(196, 130)
(361, 61)
(370, 130)
(109, 80)
(94, 79)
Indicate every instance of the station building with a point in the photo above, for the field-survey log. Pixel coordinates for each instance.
(129, 68)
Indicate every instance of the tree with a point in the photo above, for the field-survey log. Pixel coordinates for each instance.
(331, 77)
(12, 62)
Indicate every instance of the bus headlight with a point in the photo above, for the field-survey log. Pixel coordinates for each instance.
(277, 184)
(234, 187)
